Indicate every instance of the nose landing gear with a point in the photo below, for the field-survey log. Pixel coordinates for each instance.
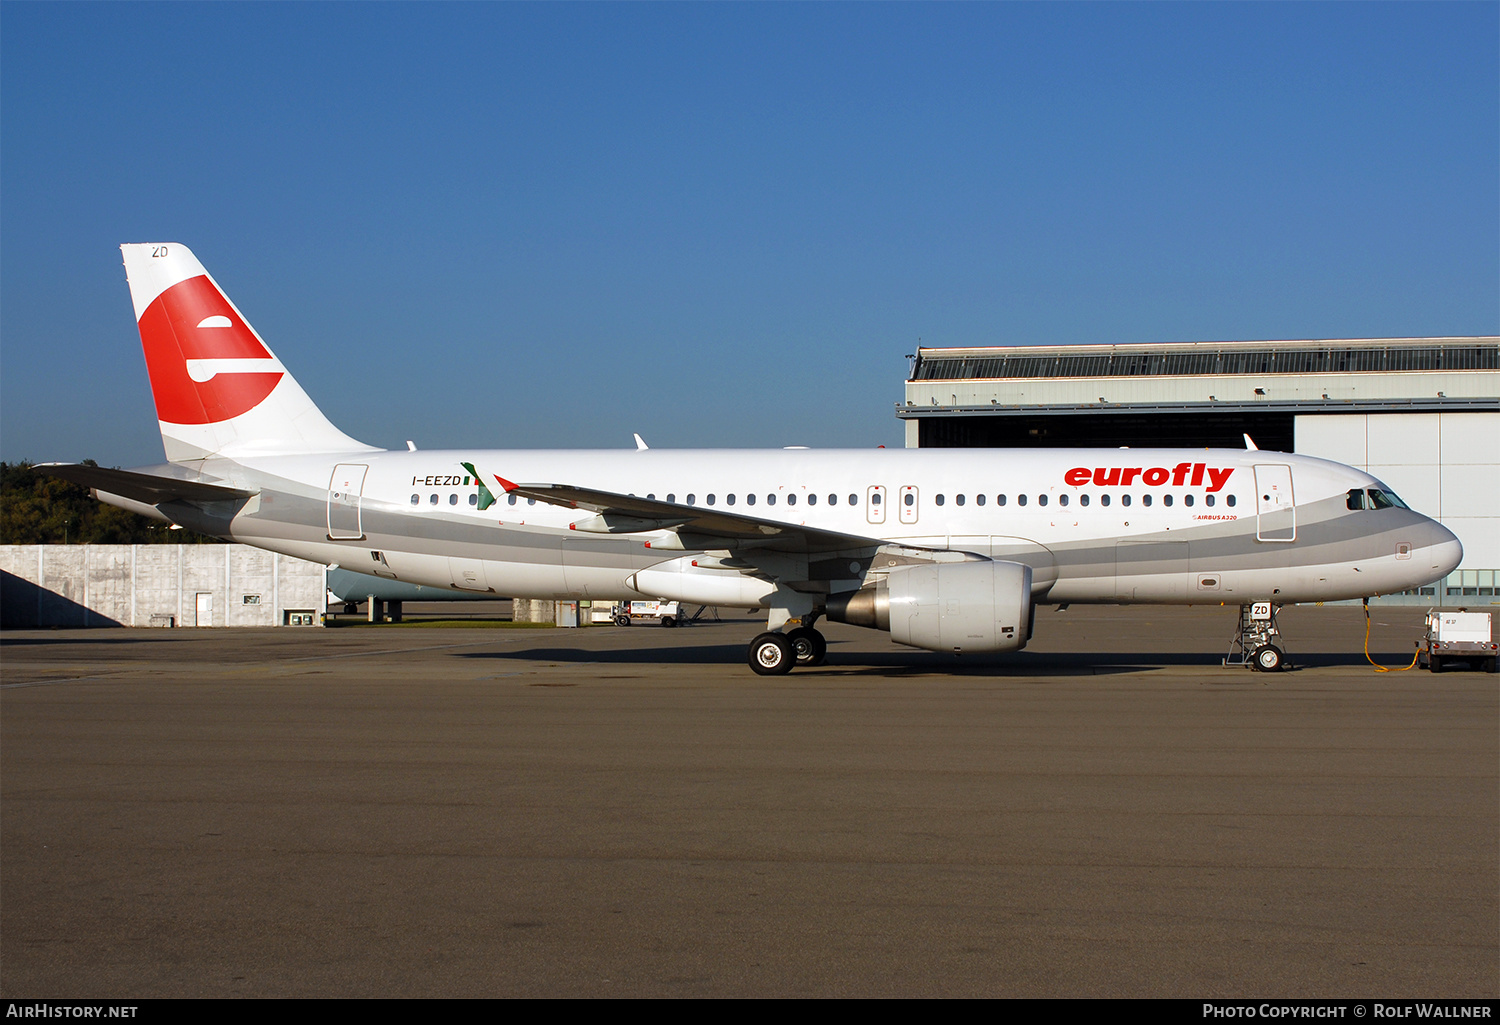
(1268, 658)
(1257, 642)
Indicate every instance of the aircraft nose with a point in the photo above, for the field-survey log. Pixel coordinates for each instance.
(1444, 550)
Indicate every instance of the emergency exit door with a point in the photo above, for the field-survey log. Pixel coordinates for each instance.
(344, 490)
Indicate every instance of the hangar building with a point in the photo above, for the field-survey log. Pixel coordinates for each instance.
(1421, 414)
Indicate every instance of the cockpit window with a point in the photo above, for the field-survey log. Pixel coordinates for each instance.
(1374, 498)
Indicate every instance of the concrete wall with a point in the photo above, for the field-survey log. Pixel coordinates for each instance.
(533, 610)
(151, 585)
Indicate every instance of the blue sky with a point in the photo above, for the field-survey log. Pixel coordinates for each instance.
(722, 225)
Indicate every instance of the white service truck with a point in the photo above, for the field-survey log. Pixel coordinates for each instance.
(668, 613)
(1458, 636)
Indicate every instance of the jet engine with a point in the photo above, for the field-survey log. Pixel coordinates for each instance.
(953, 606)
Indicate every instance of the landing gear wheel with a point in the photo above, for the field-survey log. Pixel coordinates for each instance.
(809, 646)
(771, 654)
(1269, 659)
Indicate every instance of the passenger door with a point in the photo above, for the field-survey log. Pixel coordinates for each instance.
(1276, 514)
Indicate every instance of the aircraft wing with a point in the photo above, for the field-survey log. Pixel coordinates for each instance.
(698, 527)
(149, 488)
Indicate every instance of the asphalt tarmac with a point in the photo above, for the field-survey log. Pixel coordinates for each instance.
(417, 811)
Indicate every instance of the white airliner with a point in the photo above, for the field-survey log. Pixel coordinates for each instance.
(949, 550)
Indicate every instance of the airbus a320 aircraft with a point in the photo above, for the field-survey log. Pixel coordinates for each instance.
(948, 550)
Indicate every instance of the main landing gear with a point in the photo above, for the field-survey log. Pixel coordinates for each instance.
(772, 653)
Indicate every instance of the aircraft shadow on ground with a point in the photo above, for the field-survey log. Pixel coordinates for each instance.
(1026, 663)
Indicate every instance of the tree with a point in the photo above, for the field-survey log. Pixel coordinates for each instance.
(36, 508)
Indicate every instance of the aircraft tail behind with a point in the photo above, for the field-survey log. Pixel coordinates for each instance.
(219, 389)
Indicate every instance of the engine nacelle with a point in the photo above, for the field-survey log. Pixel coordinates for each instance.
(953, 606)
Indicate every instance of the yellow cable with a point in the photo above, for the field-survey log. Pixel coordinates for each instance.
(1378, 667)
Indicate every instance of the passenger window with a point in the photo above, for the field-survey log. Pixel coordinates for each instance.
(978, 499)
(853, 499)
(432, 500)
(1146, 500)
(1187, 500)
(416, 499)
(1000, 500)
(1208, 500)
(1103, 499)
(1062, 499)
(672, 497)
(1229, 501)
(1041, 499)
(958, 500)
(1020, 499)
(1124, 499)
(692, 500)
(512, 499)
(1166, 500)
(909, 499)
(729, 498)
(651, 498)
(791, 499)
(771, 499)
(531, 501)
(453, 499)
(812, 499)
(1083, 499)
(473, 499)
(875, 498)
(750, 499)
(710, 499)
(936, 498)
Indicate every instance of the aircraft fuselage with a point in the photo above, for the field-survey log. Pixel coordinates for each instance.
(1145, 525)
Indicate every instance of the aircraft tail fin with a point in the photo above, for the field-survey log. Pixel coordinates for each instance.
(219, 389)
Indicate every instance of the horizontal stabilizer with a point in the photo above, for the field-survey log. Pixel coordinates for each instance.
(150, 488)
